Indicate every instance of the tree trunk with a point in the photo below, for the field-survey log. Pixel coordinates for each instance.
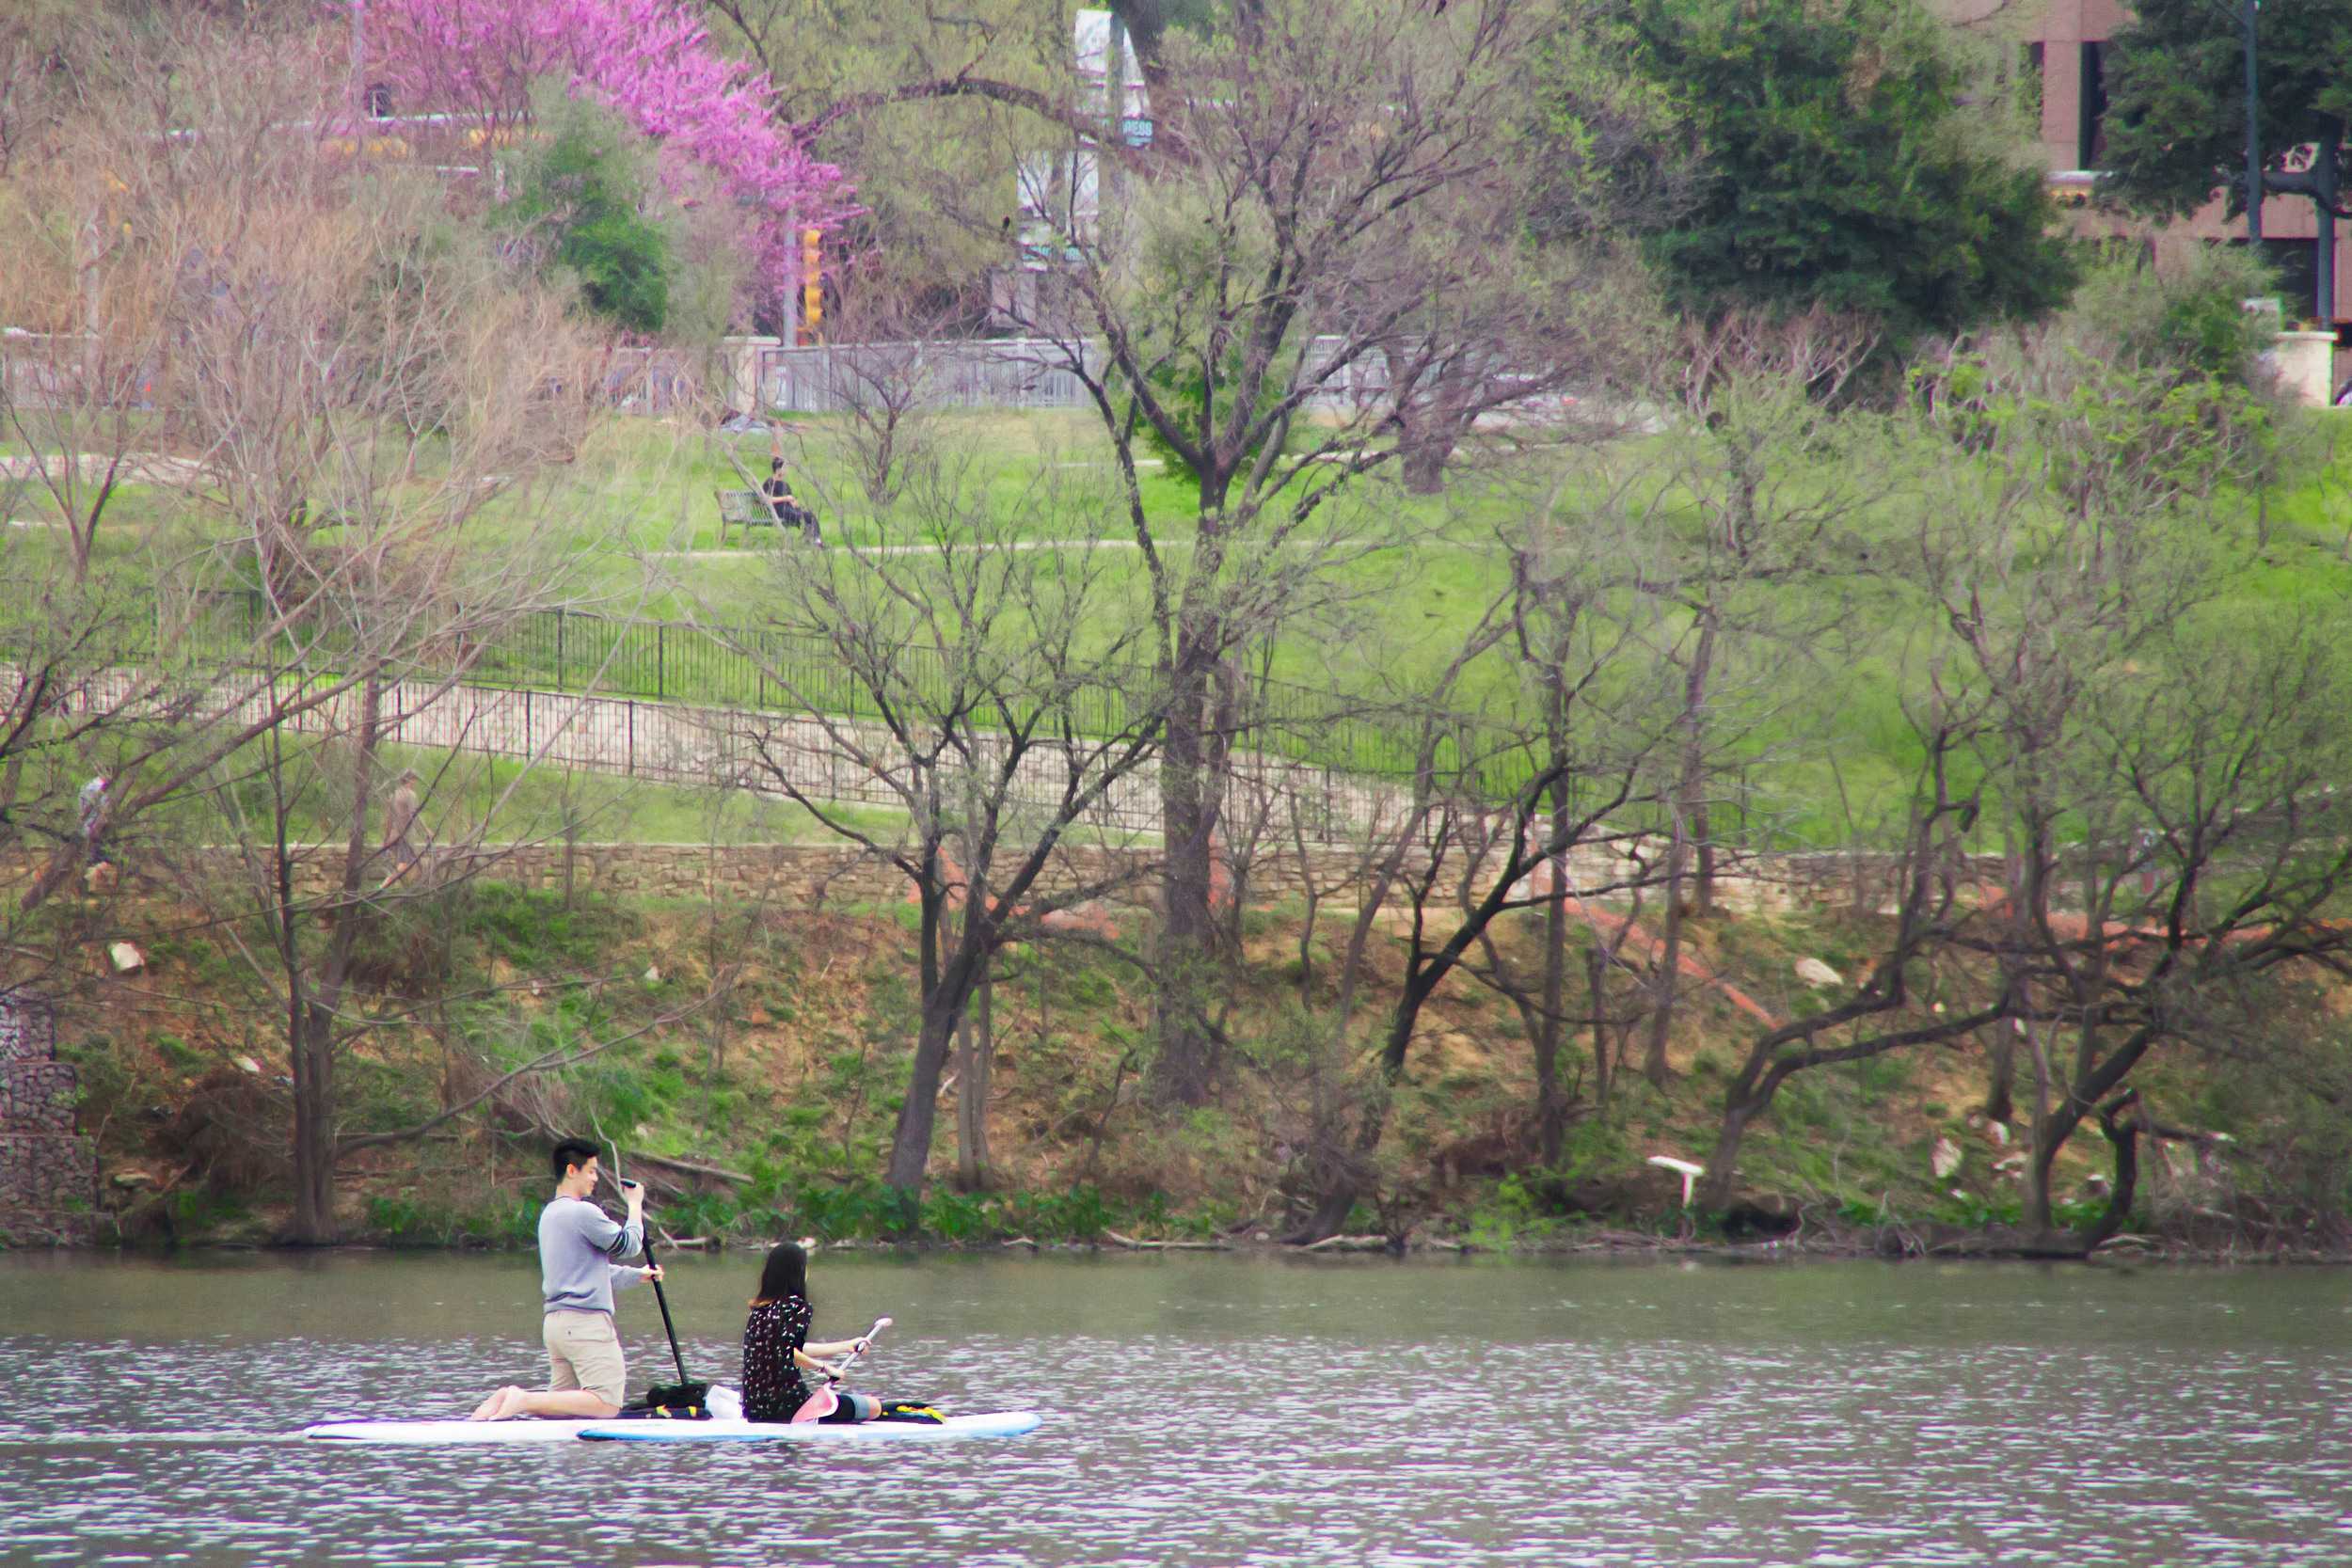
(1714, 1191)
(2044, 1150)
(910, 1147)
(2000, 1102)
(1595, 976)
(2123, 1135)
(1339, 1200)
(1552, 1111)
(1690, 819)
(978, 1032)
(315, 1009)
(1654, 1065)
(947, 977)
(313, 1071)
(1425, 464)
(2047, 1140)
(1702, 855)
(1185, 1071)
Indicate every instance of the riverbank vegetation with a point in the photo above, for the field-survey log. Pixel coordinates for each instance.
(760, 1097)
(1475, 700)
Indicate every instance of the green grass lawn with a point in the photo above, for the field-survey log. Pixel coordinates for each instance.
(1827, 741)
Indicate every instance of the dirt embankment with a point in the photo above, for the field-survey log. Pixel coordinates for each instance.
(754, 1058)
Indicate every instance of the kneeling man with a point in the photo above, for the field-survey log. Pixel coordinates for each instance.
(577, 1246)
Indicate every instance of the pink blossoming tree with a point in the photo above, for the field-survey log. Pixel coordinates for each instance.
(651, 61)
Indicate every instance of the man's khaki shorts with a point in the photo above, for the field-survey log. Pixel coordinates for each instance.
(584, 1351)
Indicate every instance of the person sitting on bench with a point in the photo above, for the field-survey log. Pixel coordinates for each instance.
(784, 506)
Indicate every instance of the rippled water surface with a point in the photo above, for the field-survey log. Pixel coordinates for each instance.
(1216, 1411)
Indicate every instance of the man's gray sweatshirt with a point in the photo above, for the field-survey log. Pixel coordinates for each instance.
(578, 1241)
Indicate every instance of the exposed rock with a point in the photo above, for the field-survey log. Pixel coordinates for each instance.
(1091, 917)
(126, 959)
(246, 1064)
(1945, 1159)
(1812, 972)
(1753, 1216)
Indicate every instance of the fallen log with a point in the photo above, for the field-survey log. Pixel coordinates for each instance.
(689, 1167)
(1348, 1244)
(1134, 1245)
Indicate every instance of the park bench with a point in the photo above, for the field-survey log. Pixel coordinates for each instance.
(743, 509)
(750, 509)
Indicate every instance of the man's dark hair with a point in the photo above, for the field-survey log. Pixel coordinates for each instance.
(570, 1152)
(775, 465)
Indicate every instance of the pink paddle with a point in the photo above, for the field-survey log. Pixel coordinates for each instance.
(825, 1401)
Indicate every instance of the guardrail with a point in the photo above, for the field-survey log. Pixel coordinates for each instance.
(997, 372)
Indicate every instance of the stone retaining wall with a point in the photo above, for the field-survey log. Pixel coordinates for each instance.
(48, 1174)
(807, 876)
(36, 1097)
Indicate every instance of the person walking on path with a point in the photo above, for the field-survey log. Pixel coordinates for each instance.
(92, 802)
(400, 816)
(95, 802)
(579, 1248)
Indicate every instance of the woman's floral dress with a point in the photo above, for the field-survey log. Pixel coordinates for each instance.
(773, 1386)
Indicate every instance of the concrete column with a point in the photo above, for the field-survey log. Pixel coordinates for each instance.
(742, 362)
(2306, 364)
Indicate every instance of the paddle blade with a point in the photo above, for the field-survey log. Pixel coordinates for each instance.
(816, 1406)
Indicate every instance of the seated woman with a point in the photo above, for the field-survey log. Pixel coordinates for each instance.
(776, 1347)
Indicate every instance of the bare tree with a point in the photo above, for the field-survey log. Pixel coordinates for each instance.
(2212, 857)
(1880, 1012)
(1316, 142)
(888, 361)
(986, 691)
(88, 311)
(315, 317)
(1759, 501)
(2156, 753)
(1519, 804)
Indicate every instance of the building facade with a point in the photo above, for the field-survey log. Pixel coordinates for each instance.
(2068, 48)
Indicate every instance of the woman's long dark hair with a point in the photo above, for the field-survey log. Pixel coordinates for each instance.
(786, 1273)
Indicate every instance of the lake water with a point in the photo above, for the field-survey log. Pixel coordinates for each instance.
(1214, 1411)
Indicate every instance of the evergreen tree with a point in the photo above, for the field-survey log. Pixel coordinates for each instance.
(1842, 168)
(2176, 104)
(585, 190)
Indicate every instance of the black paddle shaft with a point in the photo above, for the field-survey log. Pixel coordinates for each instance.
(664, 1302)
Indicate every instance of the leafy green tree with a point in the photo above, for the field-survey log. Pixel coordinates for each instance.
(2176, 105)
(1840, 169)
(584, 193)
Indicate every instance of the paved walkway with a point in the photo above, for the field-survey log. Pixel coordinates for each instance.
(762, 552)
(140, 468)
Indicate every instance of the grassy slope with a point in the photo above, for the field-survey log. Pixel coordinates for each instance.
(1823, 763)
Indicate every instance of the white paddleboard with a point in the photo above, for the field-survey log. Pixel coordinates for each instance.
(1001, 1424)
(523, 1431)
